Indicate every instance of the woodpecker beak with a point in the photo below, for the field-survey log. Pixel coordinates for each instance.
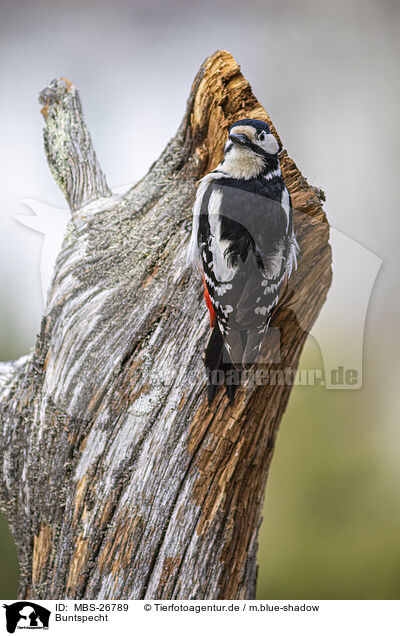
(239, 140)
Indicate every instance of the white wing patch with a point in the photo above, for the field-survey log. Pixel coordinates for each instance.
(222, 271)
(285, 203)
(193, 254)
(291, 263)
(292, 256)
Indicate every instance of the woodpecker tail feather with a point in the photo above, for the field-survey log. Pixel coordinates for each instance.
(244, 345)
(234, 344)
(219, 368)
(254, 339)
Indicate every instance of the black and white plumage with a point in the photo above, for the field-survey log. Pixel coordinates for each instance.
(243, 240)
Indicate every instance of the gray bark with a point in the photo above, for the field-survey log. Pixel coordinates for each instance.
(116, 478)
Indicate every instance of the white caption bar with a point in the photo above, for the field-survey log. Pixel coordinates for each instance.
(199, 617)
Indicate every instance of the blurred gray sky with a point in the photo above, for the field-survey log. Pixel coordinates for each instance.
(327, 73)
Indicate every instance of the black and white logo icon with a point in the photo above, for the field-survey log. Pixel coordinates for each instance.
(26, 615)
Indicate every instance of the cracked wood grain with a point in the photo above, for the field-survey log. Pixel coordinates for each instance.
(116, 478)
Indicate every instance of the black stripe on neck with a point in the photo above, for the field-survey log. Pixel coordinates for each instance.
(271, 161)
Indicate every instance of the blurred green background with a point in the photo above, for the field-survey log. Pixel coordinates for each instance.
(327, 73)
(332, 509)
(9, 563)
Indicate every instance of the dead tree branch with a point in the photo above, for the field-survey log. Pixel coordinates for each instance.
(116, 478)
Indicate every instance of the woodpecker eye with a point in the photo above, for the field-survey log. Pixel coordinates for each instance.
(261, 136)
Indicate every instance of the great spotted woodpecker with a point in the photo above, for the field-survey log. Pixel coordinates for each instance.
(244, 242)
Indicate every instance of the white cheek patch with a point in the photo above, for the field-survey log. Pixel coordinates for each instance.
(270, 145)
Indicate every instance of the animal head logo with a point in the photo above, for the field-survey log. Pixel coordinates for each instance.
(26, 615)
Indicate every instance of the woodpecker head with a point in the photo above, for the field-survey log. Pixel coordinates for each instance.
(251, 149)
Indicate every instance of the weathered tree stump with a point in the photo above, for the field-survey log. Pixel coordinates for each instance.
(117, 479)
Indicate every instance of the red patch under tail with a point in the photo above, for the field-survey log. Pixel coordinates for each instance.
(213, 317)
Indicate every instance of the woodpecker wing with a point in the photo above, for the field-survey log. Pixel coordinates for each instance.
(245, 239)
